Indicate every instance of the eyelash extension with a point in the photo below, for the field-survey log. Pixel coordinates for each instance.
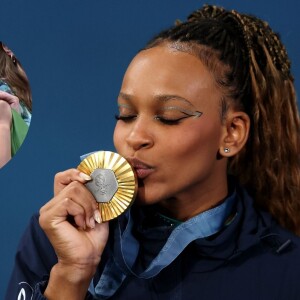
(159, 118)
(170, 122)
(124, 118)
(188, 112)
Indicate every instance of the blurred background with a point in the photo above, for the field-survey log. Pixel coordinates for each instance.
(75, 53)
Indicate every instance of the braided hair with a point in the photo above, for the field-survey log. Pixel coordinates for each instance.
(251, 66)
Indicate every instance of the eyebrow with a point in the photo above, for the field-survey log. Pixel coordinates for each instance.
(161, 98)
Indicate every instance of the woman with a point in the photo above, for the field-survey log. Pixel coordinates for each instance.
(208, 119)
(15, 114)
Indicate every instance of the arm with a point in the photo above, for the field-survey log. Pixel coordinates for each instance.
(5, 141)
(7, 102)
(68, 221)
(43, 272)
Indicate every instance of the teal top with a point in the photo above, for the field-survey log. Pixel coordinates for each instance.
(20, 121)
(24, 111)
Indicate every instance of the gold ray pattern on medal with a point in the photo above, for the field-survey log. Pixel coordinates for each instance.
(125, 177)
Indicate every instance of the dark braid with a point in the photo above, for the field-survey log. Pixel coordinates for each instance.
(219, 35)
(254, 32)
(255, 77)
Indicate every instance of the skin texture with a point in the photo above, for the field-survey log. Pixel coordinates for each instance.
(5, 121)
(187, 176)
(7, 102)
(79, 246)
(181, 167)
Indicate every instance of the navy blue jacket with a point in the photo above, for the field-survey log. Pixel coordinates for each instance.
(252, 258)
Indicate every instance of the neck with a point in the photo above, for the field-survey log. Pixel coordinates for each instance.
(185, 207)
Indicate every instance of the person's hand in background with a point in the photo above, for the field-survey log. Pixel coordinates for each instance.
(12, 100)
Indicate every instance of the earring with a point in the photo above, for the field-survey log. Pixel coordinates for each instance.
(226, 150)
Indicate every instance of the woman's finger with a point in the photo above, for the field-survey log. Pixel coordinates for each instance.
(80, 195)
(60, 213)
(12, 100)
(62, 179)
(7, 97)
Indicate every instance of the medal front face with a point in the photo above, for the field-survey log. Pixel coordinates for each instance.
(103, 186)
(113, 184)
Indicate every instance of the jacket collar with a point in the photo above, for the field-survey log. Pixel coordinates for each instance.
(250, 228)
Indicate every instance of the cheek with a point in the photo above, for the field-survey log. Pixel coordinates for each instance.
(118, 137)
(202, 138)
(121, 133)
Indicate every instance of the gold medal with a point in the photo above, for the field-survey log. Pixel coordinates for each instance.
(113, 184)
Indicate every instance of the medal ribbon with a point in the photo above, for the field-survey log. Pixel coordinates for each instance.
(200, 226)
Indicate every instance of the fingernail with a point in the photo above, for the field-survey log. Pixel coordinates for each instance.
(85, 176)
(97, 216)
(92, 222)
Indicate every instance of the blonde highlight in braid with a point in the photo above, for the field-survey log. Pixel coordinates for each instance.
(274, 172)
(256, 78)
(269, 165)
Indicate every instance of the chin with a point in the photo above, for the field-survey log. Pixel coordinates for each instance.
(142, 200)
(147, 196)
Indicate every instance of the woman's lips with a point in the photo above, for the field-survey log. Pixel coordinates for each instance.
(143, 173)
(142, 169)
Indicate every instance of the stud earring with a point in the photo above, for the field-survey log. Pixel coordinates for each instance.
(226, 150)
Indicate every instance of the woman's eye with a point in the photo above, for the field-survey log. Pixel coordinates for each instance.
(125, 118)
(167, 121)
(164, 120)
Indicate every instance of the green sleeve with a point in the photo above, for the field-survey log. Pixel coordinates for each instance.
(18, 132)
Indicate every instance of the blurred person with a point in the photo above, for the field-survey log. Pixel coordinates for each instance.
(15, 104)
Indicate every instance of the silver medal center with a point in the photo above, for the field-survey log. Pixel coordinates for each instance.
(103, 185)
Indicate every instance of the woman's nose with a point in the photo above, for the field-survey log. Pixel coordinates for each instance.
(140, 136)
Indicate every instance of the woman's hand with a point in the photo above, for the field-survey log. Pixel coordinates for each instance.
(68, 221)
(63, 179)
(12, 100)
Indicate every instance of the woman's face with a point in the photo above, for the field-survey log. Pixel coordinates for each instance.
(162, 132)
